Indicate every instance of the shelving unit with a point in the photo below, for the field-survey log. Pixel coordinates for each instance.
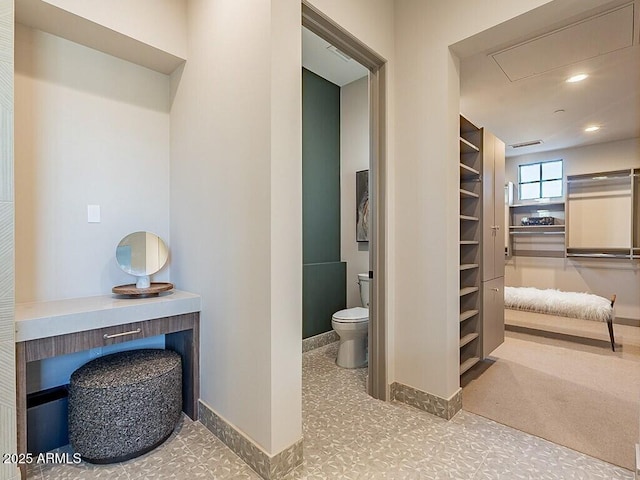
(468, 338)
(603, 215)
(482, 225)
(470, 246)
(468, 363)
(600, 219)
(537, 240)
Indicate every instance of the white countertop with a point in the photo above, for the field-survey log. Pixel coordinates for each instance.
(59, 317)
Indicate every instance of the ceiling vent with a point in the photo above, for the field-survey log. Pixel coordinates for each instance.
(526, 144)
(337, 52)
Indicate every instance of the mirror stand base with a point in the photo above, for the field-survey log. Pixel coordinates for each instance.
(132, 290)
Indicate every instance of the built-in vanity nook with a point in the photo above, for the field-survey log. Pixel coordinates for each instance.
(50, 329)
(92, 129)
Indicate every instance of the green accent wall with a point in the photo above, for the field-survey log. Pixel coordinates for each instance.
(324, 292)
(324, 275)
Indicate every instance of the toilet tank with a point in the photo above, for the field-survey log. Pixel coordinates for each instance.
(363, 282)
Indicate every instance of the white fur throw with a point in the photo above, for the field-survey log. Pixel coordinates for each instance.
(555, 302)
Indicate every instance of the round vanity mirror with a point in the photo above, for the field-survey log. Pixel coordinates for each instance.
(142, 254)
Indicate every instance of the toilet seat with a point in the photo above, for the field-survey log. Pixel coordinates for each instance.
(351, 315)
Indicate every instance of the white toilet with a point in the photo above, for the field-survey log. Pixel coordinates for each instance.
(352, 326)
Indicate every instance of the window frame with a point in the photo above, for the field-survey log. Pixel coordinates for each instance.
(540, 182)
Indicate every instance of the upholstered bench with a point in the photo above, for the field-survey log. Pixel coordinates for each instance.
(125, 404)
(550, 302)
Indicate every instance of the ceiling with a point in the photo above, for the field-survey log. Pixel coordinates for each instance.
(324, 60)
(517, 88)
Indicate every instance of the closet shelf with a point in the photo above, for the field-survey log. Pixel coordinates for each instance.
(538, 205)
(467, 147)
(468, 339)
(467, 194)
(468, 290)
(467, 364)
(469, 242)
(535, 227)
(468, 266)
(466, 171)
(544, 232)
(538, 253)
(606, 177)
(468, 314)
(466, 126)
(600, 255)
(469, 218)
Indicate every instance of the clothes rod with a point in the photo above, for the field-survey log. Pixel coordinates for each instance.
(599, 255)
(536, 233)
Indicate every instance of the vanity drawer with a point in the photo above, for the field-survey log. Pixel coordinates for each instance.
(73, 342)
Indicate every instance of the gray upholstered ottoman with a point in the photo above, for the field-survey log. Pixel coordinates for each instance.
(125, 404)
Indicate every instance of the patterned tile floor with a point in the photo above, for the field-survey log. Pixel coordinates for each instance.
(348, 435)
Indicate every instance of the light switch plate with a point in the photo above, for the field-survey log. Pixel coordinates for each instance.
(93, 213)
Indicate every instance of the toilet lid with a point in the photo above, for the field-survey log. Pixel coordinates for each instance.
(352, 315)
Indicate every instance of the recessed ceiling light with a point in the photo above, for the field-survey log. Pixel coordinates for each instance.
(592, 128)
(577, 78)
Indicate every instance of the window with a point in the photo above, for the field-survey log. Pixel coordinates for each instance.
(540, 180)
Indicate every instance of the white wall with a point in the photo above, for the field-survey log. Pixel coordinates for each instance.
(236, 194)
(7, 241)
(599, 157)
(159, 23)
(354, 156)
(602, 277)
(426, 176)
(90, 129)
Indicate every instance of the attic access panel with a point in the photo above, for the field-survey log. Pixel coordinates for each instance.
(590, 38)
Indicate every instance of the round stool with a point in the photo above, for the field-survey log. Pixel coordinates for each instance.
(125, 404)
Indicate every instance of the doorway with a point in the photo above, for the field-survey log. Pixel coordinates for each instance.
(563, 386)
(323, 27)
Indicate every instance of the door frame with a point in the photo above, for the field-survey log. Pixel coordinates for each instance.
(325, 28)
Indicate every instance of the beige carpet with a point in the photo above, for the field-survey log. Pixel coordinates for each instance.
(584, 397)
